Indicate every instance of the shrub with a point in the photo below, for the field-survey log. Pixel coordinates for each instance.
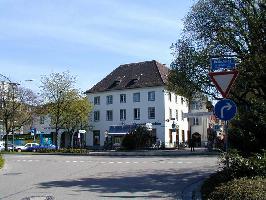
(240, 166)
(1, 161)
(241, 189)
(129, 142)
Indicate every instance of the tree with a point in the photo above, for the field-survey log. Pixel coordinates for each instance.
(17, 106)
(226, 28)
(66, 107)
(76, 115)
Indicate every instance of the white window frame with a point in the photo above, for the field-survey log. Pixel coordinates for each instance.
(196, 121)
(109, 99)
(123, 98)
(151, 112)
(109, 115)
(123, 114)
(136, 113)
(136, 97)
(96, 100)
(96, 115)
(151, 96)
(176, 115)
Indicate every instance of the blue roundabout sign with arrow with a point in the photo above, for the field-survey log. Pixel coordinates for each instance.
(225, 109)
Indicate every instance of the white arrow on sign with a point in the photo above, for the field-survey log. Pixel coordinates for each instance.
(223, 81)
(228, 107)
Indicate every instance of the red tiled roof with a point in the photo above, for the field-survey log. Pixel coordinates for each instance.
(133, 75)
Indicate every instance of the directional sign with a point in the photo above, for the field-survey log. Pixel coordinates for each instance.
(225, 109)
(197, 114)
(222, 63)
(223, 81)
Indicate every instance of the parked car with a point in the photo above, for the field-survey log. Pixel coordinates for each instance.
(42, 147)
(9, 147)
(27, 147)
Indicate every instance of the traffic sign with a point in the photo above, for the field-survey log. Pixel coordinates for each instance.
(225, 109)
(223, 81)
(223, 63)
(197, 114)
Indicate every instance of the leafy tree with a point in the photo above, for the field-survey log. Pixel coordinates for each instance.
(226, 28)
(75, 117)
(66, 107)
(17, 106)
(55, 91)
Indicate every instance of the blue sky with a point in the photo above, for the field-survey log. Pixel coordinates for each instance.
(88, 38)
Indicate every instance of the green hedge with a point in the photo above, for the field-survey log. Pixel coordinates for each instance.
(1, 161)
(241, 189)
(245, 178)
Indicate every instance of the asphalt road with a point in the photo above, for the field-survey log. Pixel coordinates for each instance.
(59, 177)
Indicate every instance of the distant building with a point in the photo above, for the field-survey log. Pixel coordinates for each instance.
(199, 124)
(135, 94)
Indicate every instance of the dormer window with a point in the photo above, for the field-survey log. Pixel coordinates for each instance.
(114, 84)
(132, 82)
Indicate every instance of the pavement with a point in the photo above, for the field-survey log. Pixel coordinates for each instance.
(190, 192)
(193, 191)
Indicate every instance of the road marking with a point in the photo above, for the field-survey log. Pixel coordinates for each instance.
(67, 161)
(102, 162)
(119, 162)
(128, 162)
(18, 160)
(74, 161)
(111, 162)
(81, 161)
(179, 162)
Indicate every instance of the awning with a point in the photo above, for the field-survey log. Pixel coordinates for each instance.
(121, 129)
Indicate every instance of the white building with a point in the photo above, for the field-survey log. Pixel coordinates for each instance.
(201, 125)
(135, 94)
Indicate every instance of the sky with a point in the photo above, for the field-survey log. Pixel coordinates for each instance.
(88, 38)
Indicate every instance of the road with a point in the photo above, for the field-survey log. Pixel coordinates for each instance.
(26, 177)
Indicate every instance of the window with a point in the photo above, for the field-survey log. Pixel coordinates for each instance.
(170, 136)
(170, 96)
(170, 113)
(182, 116)
(109, 99)
(42, 118)
(123, 98)
(196, 105)
(122, 114)
(151, 96)
(176, 115)
(176, 98)
(109, 115)
(151, 112)
(182, 100)
(136, 113)
(96, 116)
(195, 121)
(96, 100)
(136, 97)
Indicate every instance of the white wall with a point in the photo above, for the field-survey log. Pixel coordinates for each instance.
(161, 104)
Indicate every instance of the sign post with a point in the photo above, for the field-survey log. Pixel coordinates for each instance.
(225, 109)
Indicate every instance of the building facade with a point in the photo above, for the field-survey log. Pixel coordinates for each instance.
(135, 94)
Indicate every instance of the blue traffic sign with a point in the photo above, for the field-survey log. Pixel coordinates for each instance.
(223, 63)
(225, 109)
